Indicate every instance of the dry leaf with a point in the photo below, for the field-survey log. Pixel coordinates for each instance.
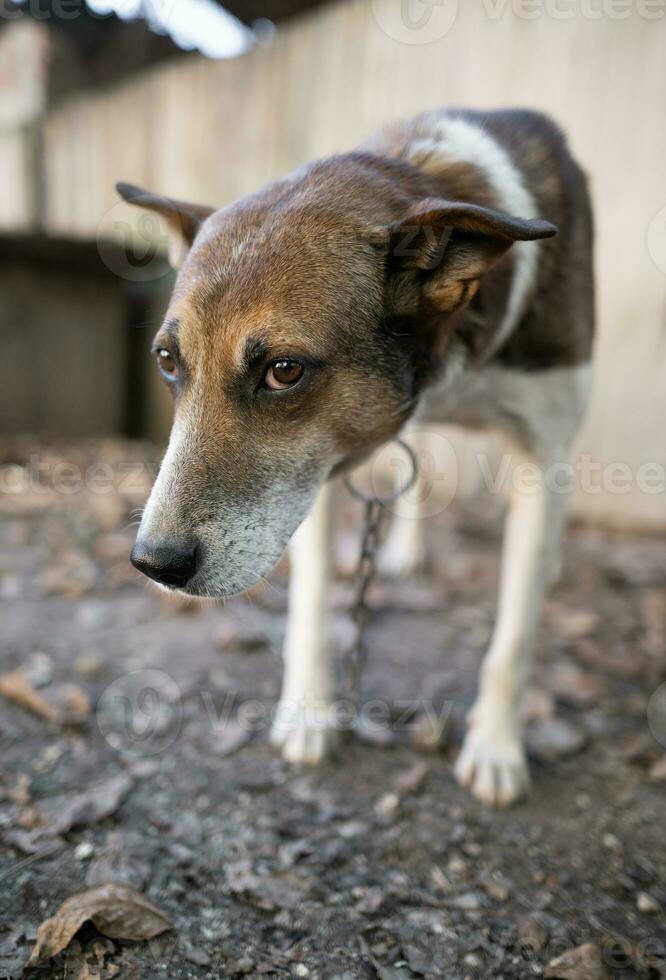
(60, 813)
(116, 911)
(75, 703)
(18, 689)
(582, 963)
(658, 770)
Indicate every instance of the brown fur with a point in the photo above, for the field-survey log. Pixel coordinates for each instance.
(365, 267)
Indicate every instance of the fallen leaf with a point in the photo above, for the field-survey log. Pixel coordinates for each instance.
(574, 623)
(117, 911)
(411, 780)
(75, 704)
(236, 636)
(60, 813)
(580, 963)
(266, 892)
(16, 687)
(653, 609)
(658, 770)
(573, 685)
(624, 664)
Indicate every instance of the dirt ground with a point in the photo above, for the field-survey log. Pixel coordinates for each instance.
(135, 752)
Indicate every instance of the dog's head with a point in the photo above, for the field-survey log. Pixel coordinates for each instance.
(293, 343)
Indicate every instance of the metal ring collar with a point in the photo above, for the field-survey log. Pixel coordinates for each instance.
(391, 498)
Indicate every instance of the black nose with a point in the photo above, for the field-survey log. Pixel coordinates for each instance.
(170, 564)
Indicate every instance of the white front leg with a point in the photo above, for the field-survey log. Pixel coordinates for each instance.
(404, 551)
(302, 726)
(492, 760)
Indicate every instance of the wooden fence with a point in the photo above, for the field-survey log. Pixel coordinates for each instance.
(211, 131)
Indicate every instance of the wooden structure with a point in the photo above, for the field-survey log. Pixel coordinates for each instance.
(211, 131)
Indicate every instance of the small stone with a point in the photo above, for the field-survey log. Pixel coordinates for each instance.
(38, 669)
(554, 738)
(533, 932)
(301, 970)
(497, 888)
(197, 956)
(578, 623)
(387, 805)
(467, 902)
(243, 965)
(456, 865)
(90, 665)
(84, 851)
(647, 903)
(611, 842)
(427, 736)
(472, 960)
(579, 963)
(658, 770)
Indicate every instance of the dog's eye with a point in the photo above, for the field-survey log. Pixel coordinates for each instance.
(167, 363)
(283, 374)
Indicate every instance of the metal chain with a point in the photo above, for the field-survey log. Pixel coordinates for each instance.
(360, 611)
(366, 571)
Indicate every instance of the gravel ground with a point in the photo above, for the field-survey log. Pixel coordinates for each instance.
(141, 758)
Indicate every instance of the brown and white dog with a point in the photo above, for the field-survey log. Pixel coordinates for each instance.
(415, 278)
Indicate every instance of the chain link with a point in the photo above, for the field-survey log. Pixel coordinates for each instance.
(366, 572)
(360, 612)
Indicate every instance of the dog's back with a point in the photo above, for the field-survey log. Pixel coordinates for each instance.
(518, 161)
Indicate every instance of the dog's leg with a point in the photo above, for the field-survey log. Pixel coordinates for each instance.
(404, 551)
(492, 760)
(302, 725)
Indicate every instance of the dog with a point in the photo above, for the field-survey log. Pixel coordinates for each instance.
(440, 273)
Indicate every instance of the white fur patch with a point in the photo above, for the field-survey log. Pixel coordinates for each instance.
(461, 140)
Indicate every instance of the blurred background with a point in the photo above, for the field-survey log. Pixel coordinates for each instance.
(124, 754)
(207, 102)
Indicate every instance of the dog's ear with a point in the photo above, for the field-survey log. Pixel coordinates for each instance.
(183, 220)
(438, 253)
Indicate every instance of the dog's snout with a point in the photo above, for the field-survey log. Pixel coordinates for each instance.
(167, 563)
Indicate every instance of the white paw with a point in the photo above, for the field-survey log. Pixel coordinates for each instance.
(493, 766)
(303, 734)
(402, 555)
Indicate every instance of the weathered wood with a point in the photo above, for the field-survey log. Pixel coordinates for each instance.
(214, 130)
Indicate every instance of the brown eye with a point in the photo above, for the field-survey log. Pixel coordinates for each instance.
(166, 363)
(283, 374)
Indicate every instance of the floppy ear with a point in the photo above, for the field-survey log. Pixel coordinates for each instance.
(183, 220)
(439, 252)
